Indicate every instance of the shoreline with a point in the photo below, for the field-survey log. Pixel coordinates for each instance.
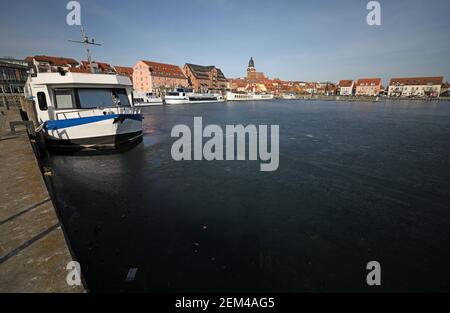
(364, 98)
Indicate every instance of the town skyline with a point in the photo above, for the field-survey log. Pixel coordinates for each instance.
(300, 45)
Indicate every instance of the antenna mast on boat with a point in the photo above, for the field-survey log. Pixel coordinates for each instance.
(86, 42)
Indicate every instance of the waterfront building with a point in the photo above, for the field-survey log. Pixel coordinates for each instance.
(151, 76)
(326, 89)
(368, 87)
(416, 87)
(312, 88)
(237, 84)
(300, 87)
(13, 75)
(11, 60)
(346, 87)
(45, 64)
(205, 78)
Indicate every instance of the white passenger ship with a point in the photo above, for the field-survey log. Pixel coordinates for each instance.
(80, 110)
(187, 95)
(143, 99)
(289, 96)
(231, 96)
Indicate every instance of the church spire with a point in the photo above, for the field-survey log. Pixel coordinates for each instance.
(251, 63)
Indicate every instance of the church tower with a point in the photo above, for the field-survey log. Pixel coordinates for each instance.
(251, 70)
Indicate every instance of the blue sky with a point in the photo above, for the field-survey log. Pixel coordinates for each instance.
(294, 40)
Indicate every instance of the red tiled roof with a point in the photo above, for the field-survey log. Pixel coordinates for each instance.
(346, 83)
(124, 70)
(240, 83)
(368, 82)
(165, 70)
(202, 72)
(438, 80)
(56, 61)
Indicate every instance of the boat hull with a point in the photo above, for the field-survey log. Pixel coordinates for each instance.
(185, 101)
(95, 132)
(113, 142)
(148, 104)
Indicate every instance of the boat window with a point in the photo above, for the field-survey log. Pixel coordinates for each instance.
(173, 94)
(94, 98)
(64, 99)
(121, 97)
(42, 101)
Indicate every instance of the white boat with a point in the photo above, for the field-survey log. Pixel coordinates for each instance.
(289, 96)
(78, 110)
(143, 99)
(231, 96)
(187, 95)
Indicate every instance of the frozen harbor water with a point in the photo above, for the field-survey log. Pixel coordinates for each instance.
(357, 182)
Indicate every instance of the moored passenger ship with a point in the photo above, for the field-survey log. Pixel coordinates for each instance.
(187, 95)
(232, 96)
(143, 99)
(81, 110)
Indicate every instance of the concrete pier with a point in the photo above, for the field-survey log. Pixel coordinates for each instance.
(33, 250)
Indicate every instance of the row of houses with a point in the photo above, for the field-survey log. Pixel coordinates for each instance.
(279, 87)
(151, 76)
(258, 82)
(147, 76)
(432, 87)
(398, 87)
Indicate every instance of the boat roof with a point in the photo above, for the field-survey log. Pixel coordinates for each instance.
(79, 79)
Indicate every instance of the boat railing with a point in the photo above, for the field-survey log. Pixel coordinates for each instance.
(78, 112)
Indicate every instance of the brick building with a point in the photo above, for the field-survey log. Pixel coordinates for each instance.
(152, 76)
(205, 78)
(252, 75)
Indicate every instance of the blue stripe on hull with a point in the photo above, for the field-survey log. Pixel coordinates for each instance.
(58, 124)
